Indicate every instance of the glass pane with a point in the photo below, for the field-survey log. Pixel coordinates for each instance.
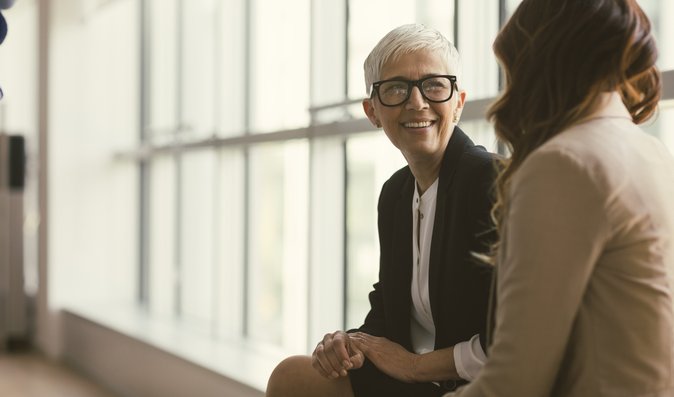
(197, 199)
(230, 68)
(666, 118)
(162, 236)
(277, 268)
(664, 33)
(326, 285)
(478, 27)
(371, 160)
(660, 124)
(93, 227)
(198, 68)
(280, 64)
(328, 53)
(162, 69)
(480, 132)
(229, 243)
(370, 20)
(660, 12)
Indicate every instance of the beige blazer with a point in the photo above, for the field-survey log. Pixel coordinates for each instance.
(584, 285)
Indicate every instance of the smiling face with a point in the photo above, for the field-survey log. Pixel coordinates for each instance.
(420, 129)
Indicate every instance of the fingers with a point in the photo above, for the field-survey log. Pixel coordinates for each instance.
(336, 353)
(331, 358)
(367, 345)
(318, 361)
(357, 360)
(340, 342)
(362, 341)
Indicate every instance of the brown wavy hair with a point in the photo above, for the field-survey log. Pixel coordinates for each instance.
(558, 57)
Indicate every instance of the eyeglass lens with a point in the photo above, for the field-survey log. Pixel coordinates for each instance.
(395, 92)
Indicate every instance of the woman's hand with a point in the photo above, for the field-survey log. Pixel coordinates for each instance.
(391, 358)
(335, 355)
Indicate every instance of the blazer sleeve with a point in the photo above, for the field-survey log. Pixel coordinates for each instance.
(482, 197)
(555, 231)
(484, 236)
(474, 232)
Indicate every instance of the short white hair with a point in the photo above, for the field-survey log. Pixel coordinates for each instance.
(406, 39)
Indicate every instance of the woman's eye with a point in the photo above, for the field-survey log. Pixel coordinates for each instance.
(396, 89)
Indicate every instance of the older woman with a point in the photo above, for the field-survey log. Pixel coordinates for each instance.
(423, 333)
(586, 217)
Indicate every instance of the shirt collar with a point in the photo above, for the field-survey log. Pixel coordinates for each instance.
(611, 106)
(432, 191)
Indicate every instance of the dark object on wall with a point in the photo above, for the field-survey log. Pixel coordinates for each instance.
(13, 299)
(16, 162)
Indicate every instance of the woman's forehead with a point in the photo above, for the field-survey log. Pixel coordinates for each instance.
(416, 63)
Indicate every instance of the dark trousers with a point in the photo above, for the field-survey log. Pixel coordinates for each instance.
(368, 381)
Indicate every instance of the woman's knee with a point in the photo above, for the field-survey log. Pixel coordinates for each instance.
(295, 377)
(289, 375)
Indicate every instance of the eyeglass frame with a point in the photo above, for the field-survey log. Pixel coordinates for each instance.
(410, 85)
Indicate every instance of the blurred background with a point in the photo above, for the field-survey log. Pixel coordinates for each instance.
(201, 182)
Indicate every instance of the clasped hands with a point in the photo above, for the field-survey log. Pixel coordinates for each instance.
(340, 352)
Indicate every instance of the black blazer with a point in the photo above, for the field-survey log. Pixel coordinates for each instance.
(459, 283)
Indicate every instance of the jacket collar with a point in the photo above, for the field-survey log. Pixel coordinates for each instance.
(450, 160)
(455, 148)
(611, 106)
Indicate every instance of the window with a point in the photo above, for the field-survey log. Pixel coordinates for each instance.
(271, 202)
(480, 69)
(659, 12)
(371, 20)
(660, 124)
(198, 51)
(277, 253)
(229, 240)
(250, 163)
(280, 64)
(93, 196)
(163, 270)
(196, 234)
(367, 172)
(162, 66)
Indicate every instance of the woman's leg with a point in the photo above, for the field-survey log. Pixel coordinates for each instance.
(295, 377)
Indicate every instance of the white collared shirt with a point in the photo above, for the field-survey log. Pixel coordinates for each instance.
(468, 356)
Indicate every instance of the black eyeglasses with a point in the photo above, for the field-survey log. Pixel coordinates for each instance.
(435, 89)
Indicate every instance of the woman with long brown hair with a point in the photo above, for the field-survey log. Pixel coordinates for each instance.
(585, 209)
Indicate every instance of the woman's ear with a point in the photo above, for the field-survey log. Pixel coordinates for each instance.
(368, 107)
(461, 100)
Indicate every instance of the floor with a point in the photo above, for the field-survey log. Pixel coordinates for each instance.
(31, 375)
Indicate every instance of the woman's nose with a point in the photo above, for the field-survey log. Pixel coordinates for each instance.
(416, 101)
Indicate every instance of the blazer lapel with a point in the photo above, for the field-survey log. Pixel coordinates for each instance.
(450, 161)
(402, 260)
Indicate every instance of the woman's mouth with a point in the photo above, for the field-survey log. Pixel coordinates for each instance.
(418, 124)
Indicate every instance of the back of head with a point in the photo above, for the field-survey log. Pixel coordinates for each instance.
(404, 40)
(559, 56)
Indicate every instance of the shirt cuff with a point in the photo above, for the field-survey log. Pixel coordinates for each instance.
(469, 358)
